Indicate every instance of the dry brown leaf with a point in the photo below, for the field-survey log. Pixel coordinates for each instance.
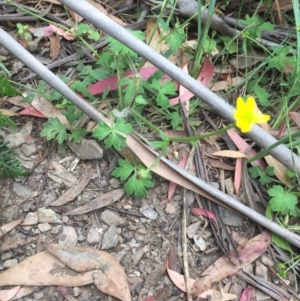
(222, 268)
(99, 202)
(296, 117)
(7, 295)
(49, 110)
(9, 226)
(24, 291)
(54, 46)
(280, 171)
(223, 85)
(7, 113)
(210, 294)
(17, 101)
(76, 188)
(229, 154)
(108, 274)
(44, 269)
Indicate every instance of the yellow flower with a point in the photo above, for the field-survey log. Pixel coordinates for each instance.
(247, 114)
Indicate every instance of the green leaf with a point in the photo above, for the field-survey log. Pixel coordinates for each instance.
(6, 88)
(115, 140)
(176, 38)
(101, 131)
(94, 35)
(123, 127)
(175, 119)
(124, 170)
(137, 187)
(77, 135)
(168, 88)
(163, 100)
(141, 100)
(281, 242)
(282, 201)
(230, 45)
(83, 28)
(54, 129)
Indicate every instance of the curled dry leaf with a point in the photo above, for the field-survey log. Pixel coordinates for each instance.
(108, 275)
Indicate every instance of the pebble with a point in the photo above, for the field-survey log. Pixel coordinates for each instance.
(111, 218)
(267, 261)
(114, 183)
(178, 197)
(48, 216)
(28, 149)
(38, 296)
(44, 227)
(23, 191)
(200, 242)
(26, 129)
(7, 255)
(31, 219)
(110, 238)
(56, 229)
(10, 263)
(94, 236)
(14, 140)
(68, 238)
(149, 213)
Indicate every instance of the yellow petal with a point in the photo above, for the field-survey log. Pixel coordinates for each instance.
(250, 104)
(240, 104)
(244, 125)
(261, 118)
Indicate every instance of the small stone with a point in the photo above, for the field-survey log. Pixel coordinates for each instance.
(23, 191)
(199, 243)
(127, 207)
(76, 291)
(7, 255)
(86, 150)
(267, 261)
(192, 229)
(111, 218)
(178, 197)
(38, 296)
(68, 238)
(14, 140)
(261, 270)
(94, 236)
(110, 238)
(65, 219)
(26, 129)
(56, 229)
(114, 183)
(44, 227)
(149, 213)
(170, 208)
(10, 263)
(48, 216)
(28, 149)
(31, 219)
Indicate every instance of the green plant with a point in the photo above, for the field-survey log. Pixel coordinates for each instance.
(137, 177)
(23, 31)
(282, 201)
(262, 176)
(9, 166)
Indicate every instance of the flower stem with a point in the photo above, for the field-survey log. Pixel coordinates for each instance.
(199, 137)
